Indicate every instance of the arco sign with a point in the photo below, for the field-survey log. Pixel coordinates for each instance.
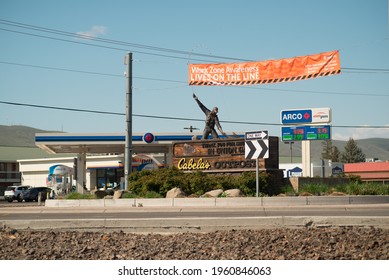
(308, 116)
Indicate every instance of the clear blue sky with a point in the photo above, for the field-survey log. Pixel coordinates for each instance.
(248, 29)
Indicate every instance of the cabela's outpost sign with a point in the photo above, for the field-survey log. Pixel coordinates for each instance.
(220, 155)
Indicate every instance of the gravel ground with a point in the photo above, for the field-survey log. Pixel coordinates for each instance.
(351, 243)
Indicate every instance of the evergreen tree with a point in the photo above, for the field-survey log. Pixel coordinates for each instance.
(335, 155)
(352, 153)
(330, 151)
(327, 149)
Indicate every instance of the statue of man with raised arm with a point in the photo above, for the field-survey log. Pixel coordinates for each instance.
(210, 121)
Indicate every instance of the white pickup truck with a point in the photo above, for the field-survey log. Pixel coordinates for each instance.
(15, 193)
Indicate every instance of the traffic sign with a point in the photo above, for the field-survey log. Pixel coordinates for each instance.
(300, 116)
(256, 144)
(264, 134)
(301, 133)
(256, 149)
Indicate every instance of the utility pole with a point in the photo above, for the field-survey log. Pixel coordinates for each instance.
(128, 144)
(290, 149)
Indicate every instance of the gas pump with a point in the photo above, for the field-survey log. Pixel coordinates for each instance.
(60, 178)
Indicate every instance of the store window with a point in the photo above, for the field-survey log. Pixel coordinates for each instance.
(109, 177)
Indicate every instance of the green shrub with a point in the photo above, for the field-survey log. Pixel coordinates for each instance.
(367, 189)
(246, 182)
(153, 194)
(162, 180)
(200, 182)
(226, 181)
(129, 195)
(75, 195)
(341, 188)
(353, 188)
(355, 179)
(150, 194)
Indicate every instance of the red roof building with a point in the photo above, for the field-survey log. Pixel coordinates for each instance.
(369, 171)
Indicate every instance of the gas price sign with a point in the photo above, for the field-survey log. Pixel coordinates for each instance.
(301, 133)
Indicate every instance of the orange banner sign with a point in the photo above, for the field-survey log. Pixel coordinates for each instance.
(265, 72)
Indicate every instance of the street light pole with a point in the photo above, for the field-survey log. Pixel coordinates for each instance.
(128, 144)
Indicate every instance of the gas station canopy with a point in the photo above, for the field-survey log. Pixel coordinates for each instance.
(56, 143)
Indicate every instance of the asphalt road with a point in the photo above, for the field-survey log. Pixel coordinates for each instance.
(29, 212)
(174, 219)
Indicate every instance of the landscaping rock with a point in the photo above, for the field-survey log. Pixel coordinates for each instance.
(175, 193)
(214, 193)
(233, 193)
(337, 194)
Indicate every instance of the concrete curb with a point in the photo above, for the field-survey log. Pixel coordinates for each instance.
(221, 202)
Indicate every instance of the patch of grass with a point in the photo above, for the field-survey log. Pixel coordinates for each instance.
(75, 195)
(353, 188)
(129, 195)
(313, 189)
(153, 195)
(367, 189)
(288, 191)
(150, 194)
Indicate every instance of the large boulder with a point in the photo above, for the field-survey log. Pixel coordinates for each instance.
(174, 193)
(233, 193)
(214, 193)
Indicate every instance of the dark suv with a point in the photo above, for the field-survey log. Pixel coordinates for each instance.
(33, 193)
(15, 193)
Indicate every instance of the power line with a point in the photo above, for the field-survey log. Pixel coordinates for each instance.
(133, 45)
(183, 82)
(75, 35)
(108, 41)
(62, 108)
(60, 69)
(95, 45)
(344, 70)
(365, 70)
(87, 72)
(319, 92)
(167, 117)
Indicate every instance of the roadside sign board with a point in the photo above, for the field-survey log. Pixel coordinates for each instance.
(257, 144)
(301, 133)
(308, 116)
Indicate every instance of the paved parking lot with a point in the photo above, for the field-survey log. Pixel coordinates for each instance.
(4, 203)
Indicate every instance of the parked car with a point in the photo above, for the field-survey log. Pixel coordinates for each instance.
(15, 193)
(32, 194)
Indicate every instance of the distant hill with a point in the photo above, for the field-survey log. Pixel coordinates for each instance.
(18, 142)
(24, 136)
(18, 135)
